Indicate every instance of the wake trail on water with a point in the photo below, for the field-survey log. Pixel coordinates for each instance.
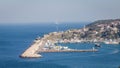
(115, 51)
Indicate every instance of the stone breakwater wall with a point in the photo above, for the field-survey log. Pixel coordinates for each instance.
(32, 51)
(38, 46)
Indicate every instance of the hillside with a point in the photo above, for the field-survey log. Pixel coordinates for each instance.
(105, 29)
(100, 31)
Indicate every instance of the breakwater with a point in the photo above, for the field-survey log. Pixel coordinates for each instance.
(32, 51)
(38, 47)
(86, 50)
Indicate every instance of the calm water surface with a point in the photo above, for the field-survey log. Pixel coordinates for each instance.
(14, 39)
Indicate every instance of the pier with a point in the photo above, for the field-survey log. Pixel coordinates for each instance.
(85, 50)
(32, 51)
(38, 47)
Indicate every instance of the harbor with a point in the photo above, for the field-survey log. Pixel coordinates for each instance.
(40, 46)
(92, 33)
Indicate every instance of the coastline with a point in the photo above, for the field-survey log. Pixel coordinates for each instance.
(38, 47)
(108, 33)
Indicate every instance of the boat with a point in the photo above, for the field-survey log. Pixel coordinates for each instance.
(97, 45)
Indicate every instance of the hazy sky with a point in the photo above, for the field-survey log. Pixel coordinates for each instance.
(18, 11)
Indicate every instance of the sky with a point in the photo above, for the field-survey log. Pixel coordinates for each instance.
(31, 11)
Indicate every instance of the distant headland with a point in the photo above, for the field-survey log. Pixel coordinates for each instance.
(105, 31)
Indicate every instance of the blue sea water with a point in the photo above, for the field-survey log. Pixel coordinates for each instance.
(14, 39)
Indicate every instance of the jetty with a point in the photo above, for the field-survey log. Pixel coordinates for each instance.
(32, 51)
(72, 50)
(38, 47)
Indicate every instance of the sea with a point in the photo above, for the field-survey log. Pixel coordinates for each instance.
(16, 38)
